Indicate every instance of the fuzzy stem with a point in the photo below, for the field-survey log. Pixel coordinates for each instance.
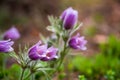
(63, 53)
(22, 74)
(32, 77)
(28, 76)
(4, 65)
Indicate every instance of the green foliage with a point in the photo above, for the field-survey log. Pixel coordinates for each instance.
(96, 67)
(81, 77)
(62, 75)
(105, 64)
(112, 47)
(110, 75)
(55, 25)
(10, 73)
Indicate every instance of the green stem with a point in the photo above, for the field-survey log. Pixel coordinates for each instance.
(63, 53)
(32, 77)
(22, 74)
(4, 65)
(28, 76)
(47, 76)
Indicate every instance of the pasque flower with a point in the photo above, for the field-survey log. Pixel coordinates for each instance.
(78, 42)
(5, 46)
(12, 34)
(42, 52)
(69, 18)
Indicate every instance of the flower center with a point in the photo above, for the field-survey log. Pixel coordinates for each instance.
(48, 54)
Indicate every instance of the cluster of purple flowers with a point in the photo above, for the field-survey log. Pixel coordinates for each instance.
(63, 27)
(41, 51)
(8, 36)
(69, 18)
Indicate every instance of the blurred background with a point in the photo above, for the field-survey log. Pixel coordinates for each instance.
(101, 27)
(101, 18)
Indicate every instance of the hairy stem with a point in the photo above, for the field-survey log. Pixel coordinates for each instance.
(28, 76)
(63, 53)
(22, 74)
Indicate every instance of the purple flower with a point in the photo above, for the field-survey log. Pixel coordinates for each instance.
(69, 18)
(12, 34)
(42, 52)
(78, 42)
(50, 54)
(5, 46)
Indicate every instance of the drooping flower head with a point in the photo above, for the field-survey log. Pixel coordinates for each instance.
(42, 52)
(69, 18)
(78, 42)
(12, 34)
(6, 46)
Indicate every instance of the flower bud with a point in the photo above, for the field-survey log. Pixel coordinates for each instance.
(78, 42)
(69, 18)
(42, 52)
(12, 34)
(5, 46)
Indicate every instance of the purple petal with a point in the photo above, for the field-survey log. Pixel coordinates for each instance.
(12, 34)
(70, 19)
(64, 13)
(5, 46)
(72, 43)
(51, 53)
(78, 42)
(33, 54)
